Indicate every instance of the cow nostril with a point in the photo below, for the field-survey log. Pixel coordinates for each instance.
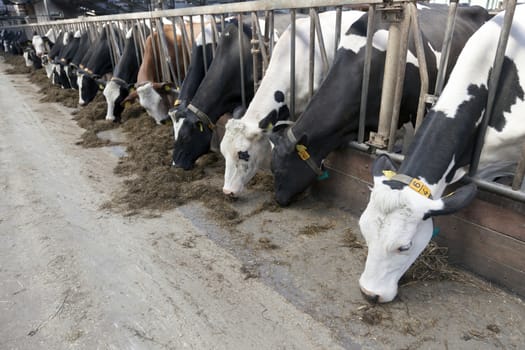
(370, 297)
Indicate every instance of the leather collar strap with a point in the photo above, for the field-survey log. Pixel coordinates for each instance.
(203, 117)
(120, 82)
(415, 184)
(303, 154)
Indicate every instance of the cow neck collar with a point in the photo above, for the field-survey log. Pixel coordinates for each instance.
(413, 183)
(119, 81)
(203, 117)
(305, 156)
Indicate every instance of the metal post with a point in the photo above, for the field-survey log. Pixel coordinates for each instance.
(203, 36)
(394, 15)
(366, 74)
(447, 43)
(338, 11)
(493, 83)
(311, 65)
(520, 171)
(292, 65)
(422, 61)
(241, 49)
(255, 51)
(400, 79)
(178, 78)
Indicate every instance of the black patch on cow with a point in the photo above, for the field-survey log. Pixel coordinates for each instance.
(441, 138)
(508, 91)
(359, 27)
(243, 155)
(278, 96)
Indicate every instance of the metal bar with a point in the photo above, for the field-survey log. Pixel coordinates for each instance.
(422, 61)
(338, 12)
(366, 74)
(192, 36)
(185, 46)
(154, 51)
(178, 77)
(498, 188)
(237, 7)
(262, 43)
(203, 36)
(292, 65)
(254, 51)
(241, 49)
(320, 41)
(311, 56)
(400, 79)
(517, 181)
(271, 33)
(214, 37)
(447, 44)
(493, 83)
(379, 139)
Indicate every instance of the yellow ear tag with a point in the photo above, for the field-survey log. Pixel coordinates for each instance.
(301, 151)
(200, 127)
(389, 174)
(101, 87)
(127, 104)
(131, 89)
(176, 103)
(420, 187)
(167, 87)
(269, 127)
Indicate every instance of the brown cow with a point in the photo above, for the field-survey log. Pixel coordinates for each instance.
(157, 97)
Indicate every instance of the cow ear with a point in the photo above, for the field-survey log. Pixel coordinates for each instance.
(382, 163)
(454, 201)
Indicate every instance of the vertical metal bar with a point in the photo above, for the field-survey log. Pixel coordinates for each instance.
(186, 45)
(493, 83)
(311, 51)
(241, 51)
(292, 64)
(379, 139)
(517, 181)
(262, 41)
(366, 73)
(447, 43)
(400, 78)
(422, 61)
(192, 36)
(214, 36)
(320, 40)
(154, 50)
(271, 37)
(178, 77)
(254, 51)
(338, 11)
(204, 51)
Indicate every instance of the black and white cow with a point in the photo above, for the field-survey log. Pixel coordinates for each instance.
(219, 92)
(397, 223)
(49, 60)
(124, 77)
(332, 116)
(245, 146)
(31, 57)
(67, 75)
(94, 67)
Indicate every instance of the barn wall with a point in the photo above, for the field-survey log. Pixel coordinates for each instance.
(486, 238)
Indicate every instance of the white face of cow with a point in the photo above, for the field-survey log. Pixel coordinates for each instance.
(28, 62)
(38, 45)
(245, 149)
(396, 234)
(152, 102)
(397, 226)
(81, 101)
(111, 93)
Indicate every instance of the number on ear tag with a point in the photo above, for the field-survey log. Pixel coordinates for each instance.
(301, 151)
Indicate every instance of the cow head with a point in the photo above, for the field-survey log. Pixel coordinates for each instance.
(115, 91)
(397, 226)
(245, 149)
(292, 172)
(156, 98)
(87, 88)
(192, 138)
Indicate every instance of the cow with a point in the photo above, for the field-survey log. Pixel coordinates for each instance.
(245, 146)
(30, 55)
(219, 92)
(332, 116)
(49, 59)
(43, 46)
(397, 222)
(157, 97)
(67, 75)
(124, 78)
(95, 66)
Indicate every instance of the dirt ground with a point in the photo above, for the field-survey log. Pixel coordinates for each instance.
(112, 250)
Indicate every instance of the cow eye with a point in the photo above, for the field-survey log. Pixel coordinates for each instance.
(243, 155)
(404, 248)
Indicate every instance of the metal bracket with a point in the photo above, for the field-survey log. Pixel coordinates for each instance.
(377, 141)
(392, 13)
